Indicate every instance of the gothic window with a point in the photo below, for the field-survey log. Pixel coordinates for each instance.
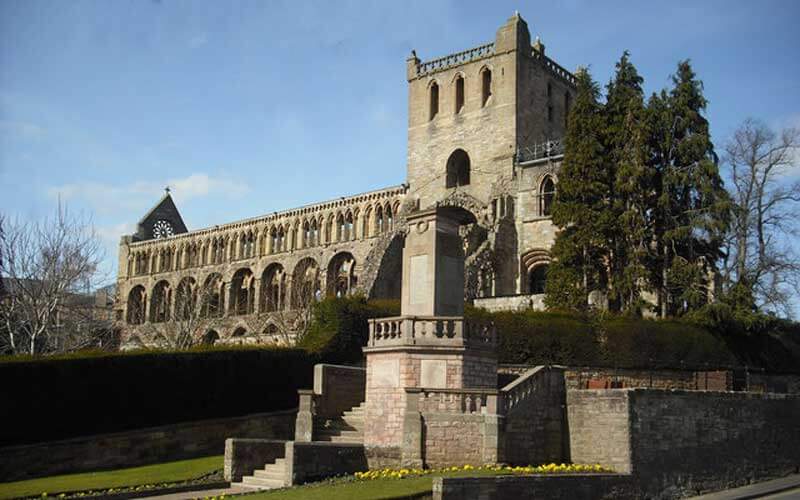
(314, 233)
(305, 283)
(242, 292)
(210, 338)
(547, 193)
(458, 168)
(434, 105)
(136, 305)
(239, 332)
(186, 299)
(486, 86)
(273, 286)
(161, 302)
(307, 235)
(212, 298)
(459, 94)
(549, 89)
(379, 220)
(389, 217)
(365, 230)
(537, 279)
(341, 274)
(549, 112)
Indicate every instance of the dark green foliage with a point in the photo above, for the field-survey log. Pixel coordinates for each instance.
(339, 328)
(60, 397)
(696, 342)
(580, 208)
(640, 203)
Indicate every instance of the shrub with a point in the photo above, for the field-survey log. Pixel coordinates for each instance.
(61, 397)
(339, 327)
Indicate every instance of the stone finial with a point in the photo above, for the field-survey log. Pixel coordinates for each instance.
(513, 35)
(538, 46)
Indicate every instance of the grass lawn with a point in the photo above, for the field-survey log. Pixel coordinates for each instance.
(149, 474)
(369, 489)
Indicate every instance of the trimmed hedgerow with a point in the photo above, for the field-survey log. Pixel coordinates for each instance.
(340, 327)
(56, 398)
(533, 337)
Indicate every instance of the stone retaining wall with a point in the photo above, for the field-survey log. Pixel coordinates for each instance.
(566, 487)
(141, 447)
(680, 443)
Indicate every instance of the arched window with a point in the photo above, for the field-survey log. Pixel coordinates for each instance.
(242, 292)
(210, 338)
(137, 298)
(434, 108)
(161, 301)
(239, 332)
(457, 169)
(537, 279)
(273, 287)
(459, 94)
(186, 299)
(547, 193)
(379, 220)
(486, 86)
(212, 297)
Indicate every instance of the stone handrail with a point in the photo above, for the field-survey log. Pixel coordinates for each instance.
(521, 389)
(456, 59)
(460, 401)
(448, 331)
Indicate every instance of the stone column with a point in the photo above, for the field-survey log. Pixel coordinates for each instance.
(412, 430)
(304, 424)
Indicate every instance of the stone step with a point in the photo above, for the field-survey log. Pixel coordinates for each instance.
(262, 483)
(347, 439)
(277, 474)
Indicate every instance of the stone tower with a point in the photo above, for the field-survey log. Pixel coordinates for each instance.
(470, 112)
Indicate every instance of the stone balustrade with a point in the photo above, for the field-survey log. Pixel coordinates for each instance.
(462, 401)
(448, 331)
(456, 59)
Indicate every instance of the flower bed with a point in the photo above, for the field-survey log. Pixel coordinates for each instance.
(496, 469)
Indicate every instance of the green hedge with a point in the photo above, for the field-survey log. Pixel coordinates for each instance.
(531, 337)
(55, 398)
(340, 328)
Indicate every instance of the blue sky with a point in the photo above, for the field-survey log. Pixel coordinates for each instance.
(245, 108)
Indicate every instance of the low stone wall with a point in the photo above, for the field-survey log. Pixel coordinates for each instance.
(453, 439)
(338, 388)
(680, 443)
(566, 487)
(145, 446)
(315, 461)
(700, 380)
(243, 456)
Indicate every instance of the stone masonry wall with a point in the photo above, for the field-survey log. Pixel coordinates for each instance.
(685, 442)
(145, 446)
(338, 388)
(567, 487)
(599, 428)
(452, 439)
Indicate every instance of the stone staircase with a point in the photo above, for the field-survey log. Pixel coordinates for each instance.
(270, 477)
(349, 428)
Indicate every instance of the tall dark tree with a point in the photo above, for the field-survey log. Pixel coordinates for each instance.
(581, 208)
(630, 186)
(690, 213)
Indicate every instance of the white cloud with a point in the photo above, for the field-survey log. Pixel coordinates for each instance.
(139, 195)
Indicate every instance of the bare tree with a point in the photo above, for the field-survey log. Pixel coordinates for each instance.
(49, 268)
(289, 325)
(760, 258)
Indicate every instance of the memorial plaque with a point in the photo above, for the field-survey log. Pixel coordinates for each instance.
(420, 282)
(386, 373)
(433, 374)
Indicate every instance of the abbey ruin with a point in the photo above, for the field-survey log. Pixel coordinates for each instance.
(484, 130)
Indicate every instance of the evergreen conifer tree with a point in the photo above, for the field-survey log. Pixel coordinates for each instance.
(581, 208)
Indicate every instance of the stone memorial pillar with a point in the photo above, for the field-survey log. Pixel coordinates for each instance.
(429, 346)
